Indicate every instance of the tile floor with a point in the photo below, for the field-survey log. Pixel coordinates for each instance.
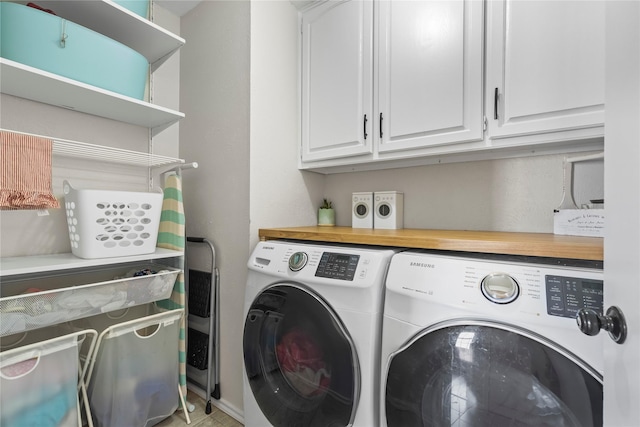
(216, 418)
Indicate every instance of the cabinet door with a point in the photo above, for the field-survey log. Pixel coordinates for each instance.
(430, 73)
(337, 80)
(545, 66)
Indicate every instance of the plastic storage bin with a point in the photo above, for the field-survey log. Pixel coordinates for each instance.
(199, 293)
(39, 383)
(31, 303)
(105, 224)
(198, 349)
(139, 7)
(133, 377)
(50, 43)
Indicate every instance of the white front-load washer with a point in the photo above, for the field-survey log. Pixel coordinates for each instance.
(490, 341)
(312, 332)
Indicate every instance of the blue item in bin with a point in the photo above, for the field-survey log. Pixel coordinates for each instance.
(50, 412)
(56, 45)
(139, 7)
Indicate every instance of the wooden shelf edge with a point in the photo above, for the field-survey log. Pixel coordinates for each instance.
(491, 242)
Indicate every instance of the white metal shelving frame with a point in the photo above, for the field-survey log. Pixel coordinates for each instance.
(107, 17)
(10, 266)
(16, 79)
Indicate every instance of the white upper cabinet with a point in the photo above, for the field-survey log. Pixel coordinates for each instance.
(545, 69)
(392, 83)
(386, 80)
(337, 73)
(429, 73)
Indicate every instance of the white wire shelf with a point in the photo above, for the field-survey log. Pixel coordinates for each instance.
(83, 150)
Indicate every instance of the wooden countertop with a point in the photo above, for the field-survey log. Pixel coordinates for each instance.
(492, 242)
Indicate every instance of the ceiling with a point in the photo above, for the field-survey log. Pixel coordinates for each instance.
(181, 7)
(178, 7)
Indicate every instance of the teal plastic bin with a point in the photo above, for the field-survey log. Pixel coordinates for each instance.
(50, 43)
(139, 7)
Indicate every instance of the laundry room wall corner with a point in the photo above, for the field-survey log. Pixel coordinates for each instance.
(280, 194)
(215, 133)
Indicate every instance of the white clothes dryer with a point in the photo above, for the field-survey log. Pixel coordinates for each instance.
(312, 332)
(490, 341)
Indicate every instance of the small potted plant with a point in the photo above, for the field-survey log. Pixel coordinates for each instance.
(326, 214)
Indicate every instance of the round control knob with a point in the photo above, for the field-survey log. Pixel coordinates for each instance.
(297, 261)
(500, 288)
(590, 322)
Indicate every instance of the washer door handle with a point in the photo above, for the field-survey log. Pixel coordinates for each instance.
(590, 322)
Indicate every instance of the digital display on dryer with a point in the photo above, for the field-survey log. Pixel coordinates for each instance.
(337, 266)
(567, 295)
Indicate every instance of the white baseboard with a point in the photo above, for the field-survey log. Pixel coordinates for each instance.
(221, 404)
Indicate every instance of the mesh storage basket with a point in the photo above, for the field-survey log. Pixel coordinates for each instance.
(39, 384)
(31, 303)
(133, 377)
(105, 223)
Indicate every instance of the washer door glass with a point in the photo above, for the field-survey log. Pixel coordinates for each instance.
(482, 375)
(300, 361)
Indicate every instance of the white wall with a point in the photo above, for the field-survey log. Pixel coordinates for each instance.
(246, 148)
(499, 195)
(281, 195)
(215, 133)
(165, 89)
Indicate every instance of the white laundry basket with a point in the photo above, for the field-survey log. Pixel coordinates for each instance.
(105, 223)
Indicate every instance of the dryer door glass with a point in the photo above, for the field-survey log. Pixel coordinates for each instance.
(479, 375)
(300, 361)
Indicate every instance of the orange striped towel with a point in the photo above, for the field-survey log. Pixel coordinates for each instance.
(25, 172)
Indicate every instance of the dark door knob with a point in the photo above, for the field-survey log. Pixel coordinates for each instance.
(590, 323)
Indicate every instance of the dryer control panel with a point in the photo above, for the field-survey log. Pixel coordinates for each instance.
(567, 295)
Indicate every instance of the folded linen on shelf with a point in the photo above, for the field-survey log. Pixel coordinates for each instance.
(25, 172)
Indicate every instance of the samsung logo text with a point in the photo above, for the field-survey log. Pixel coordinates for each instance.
(421, 264)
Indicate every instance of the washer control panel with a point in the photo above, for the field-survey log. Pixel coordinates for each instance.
(337, 266)
(567, 295)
